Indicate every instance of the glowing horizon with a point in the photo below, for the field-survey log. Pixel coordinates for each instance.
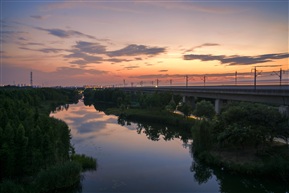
(76, 43)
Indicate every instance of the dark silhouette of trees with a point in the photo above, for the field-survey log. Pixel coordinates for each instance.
(30, 140)
(249, 124)
(204, 109)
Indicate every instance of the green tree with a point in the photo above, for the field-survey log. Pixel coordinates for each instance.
(249, 124)
(21, 142)
(204, 109)
(186, 109)
(172, 105)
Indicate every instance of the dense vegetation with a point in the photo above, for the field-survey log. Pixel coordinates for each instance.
(35, 148)
(239, 139)
(154, 107)
(133, 99)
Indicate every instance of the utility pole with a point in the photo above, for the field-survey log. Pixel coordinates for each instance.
(187, 80)
(255, 77)
(204, 79)
(123, 82)
(280, 75)
(157, 82)
(31, 79)
(236, 74)
(171, 82)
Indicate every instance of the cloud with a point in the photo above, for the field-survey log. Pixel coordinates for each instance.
(274, 65)
(135, 50)
(236, 59)
(90, 52)
(8, 36)
(86, 52)
(131, 67)
(44, 50)
(202, 45)
(209, 8)
(65, 33)
(83, 58)
(33, 44)
(160, 76)
(117, 60)
(163, 70)
(91, 127)
(68, 71)
(89, 47)
(152, 76)
(39, 17)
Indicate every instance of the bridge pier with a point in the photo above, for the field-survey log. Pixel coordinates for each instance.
(190, 100)
(184, 99)
(218, 105)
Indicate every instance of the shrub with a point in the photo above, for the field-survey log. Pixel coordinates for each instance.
(87, 163)
(61, 176)
(204, 109)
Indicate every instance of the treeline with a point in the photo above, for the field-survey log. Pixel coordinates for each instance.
(30, 140)
(243, 138)
(131, 99)
(137, 106)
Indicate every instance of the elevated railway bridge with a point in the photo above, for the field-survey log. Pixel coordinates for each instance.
(274, 95)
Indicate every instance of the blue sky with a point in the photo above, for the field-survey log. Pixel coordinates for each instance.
(106, 42)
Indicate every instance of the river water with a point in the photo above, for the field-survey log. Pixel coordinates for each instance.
(135, 157)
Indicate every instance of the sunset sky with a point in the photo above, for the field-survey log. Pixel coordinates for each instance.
(90, 42)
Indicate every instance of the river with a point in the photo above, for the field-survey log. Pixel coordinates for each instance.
(135, 157)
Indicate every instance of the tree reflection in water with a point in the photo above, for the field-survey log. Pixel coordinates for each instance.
(154, 131)
(228, 182)
(233, 182)
(201, 173)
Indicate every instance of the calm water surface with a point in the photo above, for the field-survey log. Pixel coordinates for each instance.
(136, 159)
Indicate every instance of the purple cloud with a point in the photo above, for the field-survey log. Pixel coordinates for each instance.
(135, 50)
(236, 59)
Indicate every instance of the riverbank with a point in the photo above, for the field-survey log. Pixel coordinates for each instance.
(239, 139)
(35, 149)
(269, 165)
(152, 115)
(269, 162)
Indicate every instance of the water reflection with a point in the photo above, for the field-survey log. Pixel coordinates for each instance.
(154, 131)
(201, 172)
(230, 182)
(129, 162)
(56, 107)
(234, 182)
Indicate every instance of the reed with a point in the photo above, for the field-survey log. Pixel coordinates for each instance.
(87, 163)
(61, 176)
